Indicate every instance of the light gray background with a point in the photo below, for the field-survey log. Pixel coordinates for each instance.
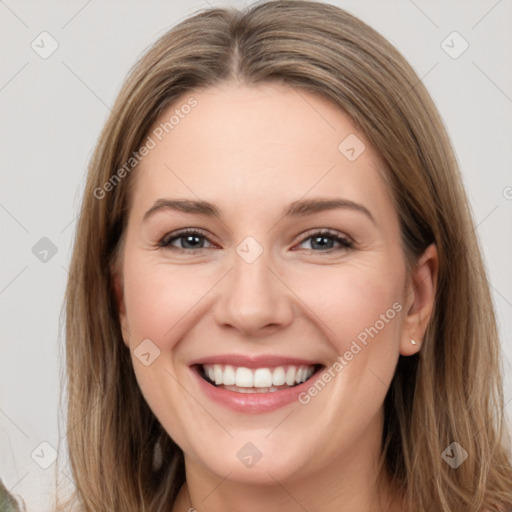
(52, 111)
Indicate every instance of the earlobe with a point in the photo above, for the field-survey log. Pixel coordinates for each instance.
(421, 297)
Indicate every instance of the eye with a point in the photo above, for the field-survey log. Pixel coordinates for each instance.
(324, 241)
(191, 239)
(187, 240)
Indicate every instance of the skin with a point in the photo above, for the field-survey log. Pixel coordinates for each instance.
(252, 151)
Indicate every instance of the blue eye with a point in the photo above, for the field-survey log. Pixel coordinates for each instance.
(325, 241)
(193, 240)
(190, 240)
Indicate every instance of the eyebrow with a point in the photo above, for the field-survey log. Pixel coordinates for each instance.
(297, 208)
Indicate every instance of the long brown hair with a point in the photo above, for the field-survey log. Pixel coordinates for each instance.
(451, 391)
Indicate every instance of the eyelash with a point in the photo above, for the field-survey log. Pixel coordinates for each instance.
(166, 241)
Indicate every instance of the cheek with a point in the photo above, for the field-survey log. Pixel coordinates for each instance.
(357, 308)
(356, 303)
(158, 299)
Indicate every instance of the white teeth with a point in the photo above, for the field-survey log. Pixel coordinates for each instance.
(228, 377)
(262, 378)
(217, 372)
(290, 376)
(271, 389)
(278, 377)
(242, 377)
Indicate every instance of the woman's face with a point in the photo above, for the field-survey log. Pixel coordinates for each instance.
(294, 266)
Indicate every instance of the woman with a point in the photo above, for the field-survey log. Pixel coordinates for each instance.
(276, 297)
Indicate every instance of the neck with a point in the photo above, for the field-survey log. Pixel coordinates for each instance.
(348, 482)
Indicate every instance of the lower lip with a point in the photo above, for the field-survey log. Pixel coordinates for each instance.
(252, 403)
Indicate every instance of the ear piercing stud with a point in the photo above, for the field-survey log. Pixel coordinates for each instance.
(413, 342)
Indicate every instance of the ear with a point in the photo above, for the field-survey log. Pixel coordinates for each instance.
(117, 284)
(421, 294)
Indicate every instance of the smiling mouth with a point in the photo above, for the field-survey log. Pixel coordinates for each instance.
(257, 380)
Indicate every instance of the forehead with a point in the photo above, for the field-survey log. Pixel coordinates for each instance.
(258, 144)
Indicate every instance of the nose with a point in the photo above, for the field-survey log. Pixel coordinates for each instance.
(254, 299)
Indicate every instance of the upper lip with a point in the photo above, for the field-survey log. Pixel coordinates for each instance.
(260, 361)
